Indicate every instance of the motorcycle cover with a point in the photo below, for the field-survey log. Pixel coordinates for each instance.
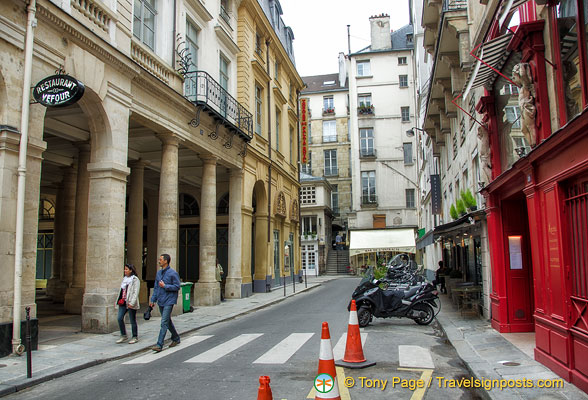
(388, 300)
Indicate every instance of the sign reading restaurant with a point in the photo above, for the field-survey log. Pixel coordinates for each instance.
(58, 91)
(304, 129)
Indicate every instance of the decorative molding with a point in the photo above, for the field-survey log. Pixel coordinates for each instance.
(97, 12)
(294, 210)
(151, 62)
(280, 205)
(226, 39)
(200, 9)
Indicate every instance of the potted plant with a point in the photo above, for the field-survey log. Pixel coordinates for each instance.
(469, 200)
(365, 109)
(313, 235)
(460, 207)
(453, 212)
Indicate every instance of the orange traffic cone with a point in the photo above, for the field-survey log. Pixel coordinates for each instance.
(265, 391)
(326, 386)
(354, 357)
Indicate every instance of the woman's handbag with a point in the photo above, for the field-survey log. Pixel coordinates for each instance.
(147, 314)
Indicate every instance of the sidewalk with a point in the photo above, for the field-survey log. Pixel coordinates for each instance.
(484, 351)
(55, 361)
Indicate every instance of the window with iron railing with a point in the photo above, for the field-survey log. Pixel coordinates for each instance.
(368, 187)
(258, 108)
(224, 11)
(144, 14)
(366, 142)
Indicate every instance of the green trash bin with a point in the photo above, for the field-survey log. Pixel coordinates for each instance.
(186, 289)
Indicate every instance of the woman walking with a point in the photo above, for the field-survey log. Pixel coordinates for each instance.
(128, 300)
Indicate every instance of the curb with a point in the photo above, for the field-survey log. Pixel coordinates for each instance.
(8, 388)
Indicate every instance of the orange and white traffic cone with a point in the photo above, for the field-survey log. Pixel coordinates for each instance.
(354, 357)
(326, 386)
(264, 392)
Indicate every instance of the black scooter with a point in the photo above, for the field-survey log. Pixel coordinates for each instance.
(416, 302)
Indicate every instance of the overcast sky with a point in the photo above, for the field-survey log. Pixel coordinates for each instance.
(320, 28)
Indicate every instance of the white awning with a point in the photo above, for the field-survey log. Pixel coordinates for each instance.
(370, 241)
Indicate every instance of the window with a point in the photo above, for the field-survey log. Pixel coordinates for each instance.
(224, 73)
(307, 168)
(223, 205)
(366, 142)
(258, 108)
(328, 105)
(509, 89)
(224, 11)
(401, 60)
(335, 199)
(364, 100)
(291, 144)
(188, 206)
(278, 117)
(309, 225)
(277, 70)
(368, 187)
(331, 162)
(307, 195)
(410, 198)
(144, 22)
(329, 131)
(513, 115)
(192, 45)
(46, 210)
(363, 68)
(407, 147)
(405, 114)
(403, 81)
(258, 45)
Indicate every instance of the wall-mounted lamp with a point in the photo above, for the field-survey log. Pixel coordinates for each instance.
(410, 132)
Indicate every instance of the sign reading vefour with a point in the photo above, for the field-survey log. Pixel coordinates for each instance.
(58, 91)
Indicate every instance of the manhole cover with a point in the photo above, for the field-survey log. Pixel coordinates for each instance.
(511, 364)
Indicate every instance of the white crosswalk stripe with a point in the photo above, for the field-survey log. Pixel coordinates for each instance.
(147, 358)
(282, 351)
(339, 349)
(224, 348)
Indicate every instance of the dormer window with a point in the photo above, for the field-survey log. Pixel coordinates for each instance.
(328, 83)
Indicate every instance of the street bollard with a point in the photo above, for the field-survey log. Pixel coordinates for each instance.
(305, 281)
(293, 284)
(28, 343)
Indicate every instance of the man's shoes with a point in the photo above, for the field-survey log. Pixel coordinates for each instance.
(174, 343)
(122, 339)
(156, 348)
(133, 340)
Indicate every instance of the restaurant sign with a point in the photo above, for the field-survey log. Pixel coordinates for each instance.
(304, 129)
(58, 91)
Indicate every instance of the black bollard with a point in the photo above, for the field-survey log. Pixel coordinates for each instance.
(28, 343)
(305, 281)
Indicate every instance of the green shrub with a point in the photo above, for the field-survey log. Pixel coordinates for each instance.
(468, 199)
(453, 212)
(460, 207)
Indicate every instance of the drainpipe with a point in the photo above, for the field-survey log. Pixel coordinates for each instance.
(17, 347)
(174, 40)
(269, 137)
(299, 169)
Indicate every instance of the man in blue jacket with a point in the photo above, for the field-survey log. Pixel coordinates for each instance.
(165, 294)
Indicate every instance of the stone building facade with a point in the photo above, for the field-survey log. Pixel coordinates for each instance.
(164, 153)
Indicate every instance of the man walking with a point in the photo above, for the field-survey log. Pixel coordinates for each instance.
(165, 294)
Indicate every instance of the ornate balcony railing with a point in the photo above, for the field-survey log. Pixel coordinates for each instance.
(333, 171)
(367, 153)
(453, 5)
(369, 199)
(201, 89)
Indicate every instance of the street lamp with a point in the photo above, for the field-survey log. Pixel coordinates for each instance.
(410, 132)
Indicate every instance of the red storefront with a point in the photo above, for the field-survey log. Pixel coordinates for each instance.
(537, 202)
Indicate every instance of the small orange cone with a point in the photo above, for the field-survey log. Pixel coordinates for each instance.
(326, 388)
(354, 357)
(264, 392)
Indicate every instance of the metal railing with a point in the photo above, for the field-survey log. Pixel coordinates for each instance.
(201, 88)
(225, 15)
(367, 153)
(452, 5)
(331, 171)
(369, 199)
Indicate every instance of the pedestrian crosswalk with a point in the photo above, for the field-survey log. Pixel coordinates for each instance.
(278, 354)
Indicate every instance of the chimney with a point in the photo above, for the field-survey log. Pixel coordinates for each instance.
(380, 27)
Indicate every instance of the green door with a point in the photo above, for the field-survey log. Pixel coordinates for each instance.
(189, 253)
(277, 274)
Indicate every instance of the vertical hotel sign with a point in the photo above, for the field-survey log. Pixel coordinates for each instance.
(304, 129)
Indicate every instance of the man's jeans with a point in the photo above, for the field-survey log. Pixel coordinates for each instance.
(121, 320)
(166, 323)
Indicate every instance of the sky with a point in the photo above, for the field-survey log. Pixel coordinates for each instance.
(320, 28)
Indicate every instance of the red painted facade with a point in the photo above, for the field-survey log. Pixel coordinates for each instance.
(537, 220)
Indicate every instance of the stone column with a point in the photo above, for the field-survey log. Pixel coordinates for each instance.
(262, 246)
(75, 293)
(55, 279)
(70, 178)
(135, 223)
(207, 290)
(167, 221)
(246, 239)
(234, 278)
